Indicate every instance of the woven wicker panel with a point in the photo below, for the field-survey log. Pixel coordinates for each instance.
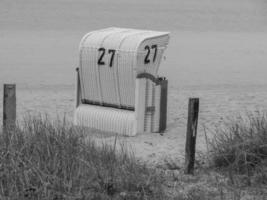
(91, 72)
(106, 119)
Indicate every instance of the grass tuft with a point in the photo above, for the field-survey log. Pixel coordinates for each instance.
(241, 145)
(51, 160)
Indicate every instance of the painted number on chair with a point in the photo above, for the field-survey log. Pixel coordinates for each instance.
(102, 52)
(148, 50)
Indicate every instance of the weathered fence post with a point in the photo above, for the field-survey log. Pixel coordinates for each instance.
(163, 105)
(191, 135)
(9, 107)
(78, 88)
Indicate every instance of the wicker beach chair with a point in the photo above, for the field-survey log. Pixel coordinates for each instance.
(118, 89)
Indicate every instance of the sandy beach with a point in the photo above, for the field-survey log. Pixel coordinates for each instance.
(217, 52)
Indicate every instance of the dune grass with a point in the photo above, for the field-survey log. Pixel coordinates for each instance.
(240, 146)
(51, 160)
(45, 160)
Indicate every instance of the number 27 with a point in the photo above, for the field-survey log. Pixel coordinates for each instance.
(102, 54)
(147, 48)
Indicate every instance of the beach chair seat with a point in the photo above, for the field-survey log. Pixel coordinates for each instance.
(118, 89)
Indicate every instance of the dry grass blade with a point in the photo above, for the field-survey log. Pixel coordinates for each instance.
(242, 144)
(51, 160)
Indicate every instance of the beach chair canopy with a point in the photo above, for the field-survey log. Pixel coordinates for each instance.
(110, 61)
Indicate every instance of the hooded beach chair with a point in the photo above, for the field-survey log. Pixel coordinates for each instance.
(118, 88)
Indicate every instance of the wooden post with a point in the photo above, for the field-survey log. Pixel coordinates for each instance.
(163, 105)
(191, 135)
(9, 107)
(78, 88)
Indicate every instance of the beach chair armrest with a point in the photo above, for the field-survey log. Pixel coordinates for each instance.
(140, 99)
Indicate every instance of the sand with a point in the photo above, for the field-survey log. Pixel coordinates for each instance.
(217, 52)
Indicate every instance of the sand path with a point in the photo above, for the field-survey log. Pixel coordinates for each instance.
(166, 150)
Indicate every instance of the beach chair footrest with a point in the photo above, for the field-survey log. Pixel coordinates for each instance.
(106, 119)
